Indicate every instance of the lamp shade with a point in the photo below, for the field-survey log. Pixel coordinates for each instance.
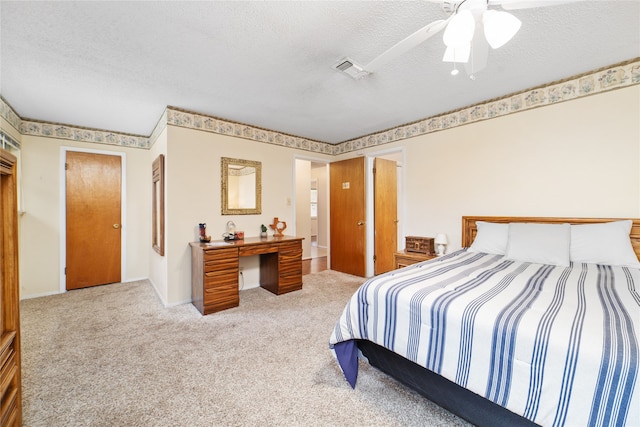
(460, 30)
(441, 239)
(499, 27)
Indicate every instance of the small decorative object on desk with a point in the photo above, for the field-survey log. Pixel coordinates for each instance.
(278, 227)
(263, 231)
(203, 232)
(441, 241)
(231, 231)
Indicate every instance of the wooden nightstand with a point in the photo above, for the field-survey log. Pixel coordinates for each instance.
(404, 258)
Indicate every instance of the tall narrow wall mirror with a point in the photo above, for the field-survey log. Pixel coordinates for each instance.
(241, 187)
(157, 216)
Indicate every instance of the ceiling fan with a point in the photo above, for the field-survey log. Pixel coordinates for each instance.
(471, 28)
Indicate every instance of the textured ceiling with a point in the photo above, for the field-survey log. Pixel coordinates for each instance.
(117, 65)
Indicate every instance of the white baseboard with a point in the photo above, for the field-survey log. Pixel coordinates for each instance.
(48, 294)
(44, 294)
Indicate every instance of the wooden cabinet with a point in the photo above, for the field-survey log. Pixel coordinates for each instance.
(215, 268)
(404, 258)
(215, 280)
(10, 380)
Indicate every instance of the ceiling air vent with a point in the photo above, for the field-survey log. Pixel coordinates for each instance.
(350, 67)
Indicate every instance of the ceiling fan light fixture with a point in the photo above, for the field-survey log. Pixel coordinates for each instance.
(457, 54)
(460, 30)
(499, 27)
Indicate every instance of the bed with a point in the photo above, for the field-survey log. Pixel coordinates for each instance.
(533, 322)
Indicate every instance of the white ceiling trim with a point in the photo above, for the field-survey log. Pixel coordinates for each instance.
(598, 81)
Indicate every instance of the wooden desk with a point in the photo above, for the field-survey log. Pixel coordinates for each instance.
(214, 269)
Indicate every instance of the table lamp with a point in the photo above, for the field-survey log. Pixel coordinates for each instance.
(441, 241)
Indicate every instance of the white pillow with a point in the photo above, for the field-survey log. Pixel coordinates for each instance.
(539, 243)
(491, 238)
(607, 243)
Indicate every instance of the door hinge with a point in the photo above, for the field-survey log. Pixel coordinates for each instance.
(374, 170)
(65, 271)
(66, 166)
(374, 258)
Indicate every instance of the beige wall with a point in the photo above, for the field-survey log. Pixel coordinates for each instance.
(577, 158)
(40, 231)
(193, 196)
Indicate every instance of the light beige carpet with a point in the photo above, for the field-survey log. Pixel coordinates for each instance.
(114, 356)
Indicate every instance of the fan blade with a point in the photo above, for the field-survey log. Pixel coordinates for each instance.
(526, 4)
(406, 44)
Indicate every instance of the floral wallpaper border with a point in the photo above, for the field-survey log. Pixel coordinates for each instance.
(192, 120)
(75, 133)
(613, 77)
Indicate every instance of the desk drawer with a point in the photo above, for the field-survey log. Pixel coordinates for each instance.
(220, 255)
(290, 249)
(221, 299)
(258, 249)
(287, 257)
(221, 278)
(290, 268)
(221, 265)
(290, 283)
(220, 293)
(290, 258)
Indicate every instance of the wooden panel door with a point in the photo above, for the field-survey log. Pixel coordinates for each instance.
(348, 214)
(385, 194)
(93, 209)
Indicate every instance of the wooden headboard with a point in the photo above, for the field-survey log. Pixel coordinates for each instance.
(469, 228)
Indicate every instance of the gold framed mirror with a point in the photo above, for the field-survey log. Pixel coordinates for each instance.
(241, 186)
(157, 216)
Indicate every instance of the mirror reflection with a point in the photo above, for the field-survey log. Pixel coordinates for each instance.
(241, 186)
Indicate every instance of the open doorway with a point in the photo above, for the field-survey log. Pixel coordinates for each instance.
(312, 198)
(318, 205)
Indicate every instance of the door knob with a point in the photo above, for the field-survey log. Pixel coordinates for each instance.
(360, 222)
(116, 226)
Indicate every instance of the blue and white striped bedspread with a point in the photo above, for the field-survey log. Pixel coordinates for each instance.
(558, 345)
